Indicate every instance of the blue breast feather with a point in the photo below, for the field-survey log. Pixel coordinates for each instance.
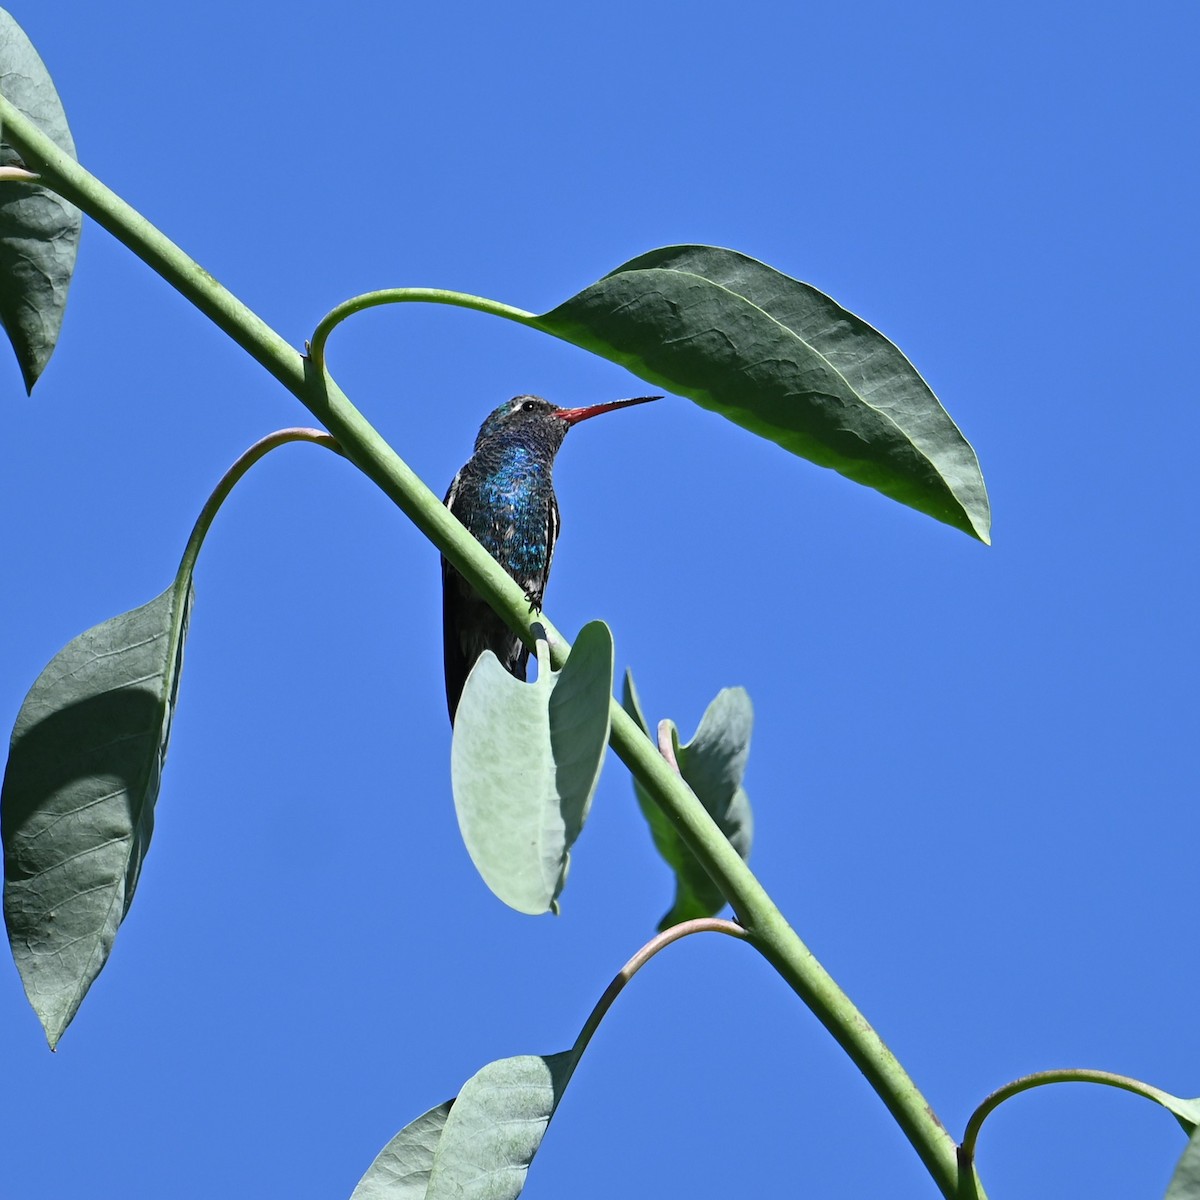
(515, 496)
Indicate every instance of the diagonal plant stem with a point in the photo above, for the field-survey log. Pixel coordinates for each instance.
(765, 925)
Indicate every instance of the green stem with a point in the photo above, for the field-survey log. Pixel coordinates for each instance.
(357, 304)
(782, 947)
(187, 564)
(966, 1152)
(639, 960)
(281, 437)
(363, 445)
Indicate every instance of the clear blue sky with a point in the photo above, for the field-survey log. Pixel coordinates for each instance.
(973, 769)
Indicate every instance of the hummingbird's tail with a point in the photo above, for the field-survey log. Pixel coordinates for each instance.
(469, 627)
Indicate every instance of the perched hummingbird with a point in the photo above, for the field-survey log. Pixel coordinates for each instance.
(505, 497)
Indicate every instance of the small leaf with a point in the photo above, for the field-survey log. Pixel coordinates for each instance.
(524, 763)
(478, 1145)
(39, 231)
(786, 362)
(77, 804)
(712, 765)
(1185, 1183)
(401, 1169)
(496, 1126)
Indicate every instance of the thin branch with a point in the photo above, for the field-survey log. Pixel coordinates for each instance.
(966, 1152)
(281, 437)
(640, 959)
(356, 304)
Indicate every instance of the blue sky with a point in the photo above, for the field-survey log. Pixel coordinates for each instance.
(972, 770)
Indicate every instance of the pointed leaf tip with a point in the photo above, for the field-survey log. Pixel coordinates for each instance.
(77, 804)
(785, 361)
(39, 231)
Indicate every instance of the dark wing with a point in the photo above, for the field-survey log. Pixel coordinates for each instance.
(454, 601)
(456, 665)
(538, 591)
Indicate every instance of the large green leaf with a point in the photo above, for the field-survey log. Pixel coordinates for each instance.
(39, 231)
(524, 763)
(1185, 1183)
(712, 765)
(77, 805)
(479, 1145)
(785, 361)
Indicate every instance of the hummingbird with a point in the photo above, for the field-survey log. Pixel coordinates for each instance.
(505, 496)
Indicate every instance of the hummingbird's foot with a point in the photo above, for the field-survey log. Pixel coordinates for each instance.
(534, 600)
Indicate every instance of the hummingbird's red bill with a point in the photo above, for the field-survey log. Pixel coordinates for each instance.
(573, 416)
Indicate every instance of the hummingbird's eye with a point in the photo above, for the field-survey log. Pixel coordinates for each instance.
(528, 406)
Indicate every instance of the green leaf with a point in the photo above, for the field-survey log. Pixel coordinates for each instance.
(1185, 1183)
(77, 804)
(39, 231)
(478, 1145)
(524, 763)
(712, 765)
(496, 1126)
(1186, 1112)
(786, 362)
(401, 1169)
